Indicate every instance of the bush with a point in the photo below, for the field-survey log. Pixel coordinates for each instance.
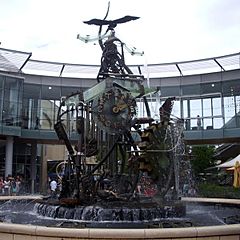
(216, 191)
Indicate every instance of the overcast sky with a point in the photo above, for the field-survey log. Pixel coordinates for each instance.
(167, 31)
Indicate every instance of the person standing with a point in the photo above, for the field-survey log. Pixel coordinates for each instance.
(7, 186)
(53, 187)
(13, 187)
(199, 124)
(1, 186)
(18, 185)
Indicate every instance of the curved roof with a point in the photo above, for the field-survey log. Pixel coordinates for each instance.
(17, 61)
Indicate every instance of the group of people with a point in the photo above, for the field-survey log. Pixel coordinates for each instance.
(10, 185)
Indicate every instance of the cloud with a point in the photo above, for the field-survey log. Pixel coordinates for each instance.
(167, 31)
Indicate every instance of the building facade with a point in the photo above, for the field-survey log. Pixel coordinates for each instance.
(209, 104)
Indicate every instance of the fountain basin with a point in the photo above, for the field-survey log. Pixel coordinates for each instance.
(17, 231)
(115, 212)
(26, 231)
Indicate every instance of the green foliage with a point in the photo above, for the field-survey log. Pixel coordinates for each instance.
(202, 158)
(216, 191)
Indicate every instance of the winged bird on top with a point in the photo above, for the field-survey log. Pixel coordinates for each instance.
(111, 23)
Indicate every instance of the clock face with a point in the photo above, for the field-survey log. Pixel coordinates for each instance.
(113, 110)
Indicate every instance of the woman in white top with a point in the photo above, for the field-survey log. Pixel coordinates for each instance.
(7, 186)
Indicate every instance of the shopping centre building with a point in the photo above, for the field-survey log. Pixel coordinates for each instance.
(207, 93)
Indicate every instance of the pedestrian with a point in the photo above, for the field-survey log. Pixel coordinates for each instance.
(1, 186)
(53, 187)
(7, 186)
(198, 122)
(18, 185)
(13, 187)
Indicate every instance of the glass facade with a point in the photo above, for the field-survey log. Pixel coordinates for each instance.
(40, 105)
(11, 90)
(215, 105)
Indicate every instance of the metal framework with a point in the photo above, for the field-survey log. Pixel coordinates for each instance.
(21, 62)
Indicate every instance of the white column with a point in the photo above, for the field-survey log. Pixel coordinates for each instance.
(9, 156)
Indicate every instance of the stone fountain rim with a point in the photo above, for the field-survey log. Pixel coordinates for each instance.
(12, 230)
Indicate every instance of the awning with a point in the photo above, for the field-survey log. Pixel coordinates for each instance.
(229, 164)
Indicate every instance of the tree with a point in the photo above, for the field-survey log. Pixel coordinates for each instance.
(202, 158)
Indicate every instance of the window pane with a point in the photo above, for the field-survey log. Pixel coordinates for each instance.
(32, 91)
(195, 108)
(238, 104)
(191, 90)
(170, 91)
(47, 114)
(217, 106)
(207, 88)
(207, 123)
(207, 109)
(1, 81)
(196, 113)
(231, 88)
(217, 123)
(66, 91)
(185, 109)
(229, 111)
(12, 83)
(51, 92)
(176, 108)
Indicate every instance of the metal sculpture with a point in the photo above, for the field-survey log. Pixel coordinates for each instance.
(122, 169)
(112, 60)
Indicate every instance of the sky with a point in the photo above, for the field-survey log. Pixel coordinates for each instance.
(167, 30)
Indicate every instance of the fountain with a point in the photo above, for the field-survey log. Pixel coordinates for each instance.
(123, 172)
(134, 175)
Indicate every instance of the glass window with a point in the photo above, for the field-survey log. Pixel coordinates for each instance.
(170, 91)
(32, 91)
(47, 114)
(185, 109)
(238, 121)
(207, 108)
(196, 113)
(229, 112)
(207, 123)
(217, 123)
(1, 110)
(66, 91)
(217, 106)
(231, 88)
(12, 101)
(195, 108)
(154, 108)
(51, 92)
(31, 103)
(57, 104)
(13, 83)
(1, 81)
(238, 105)
(186, 114)
(211, 88)
(176, 111)
(191, 90)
